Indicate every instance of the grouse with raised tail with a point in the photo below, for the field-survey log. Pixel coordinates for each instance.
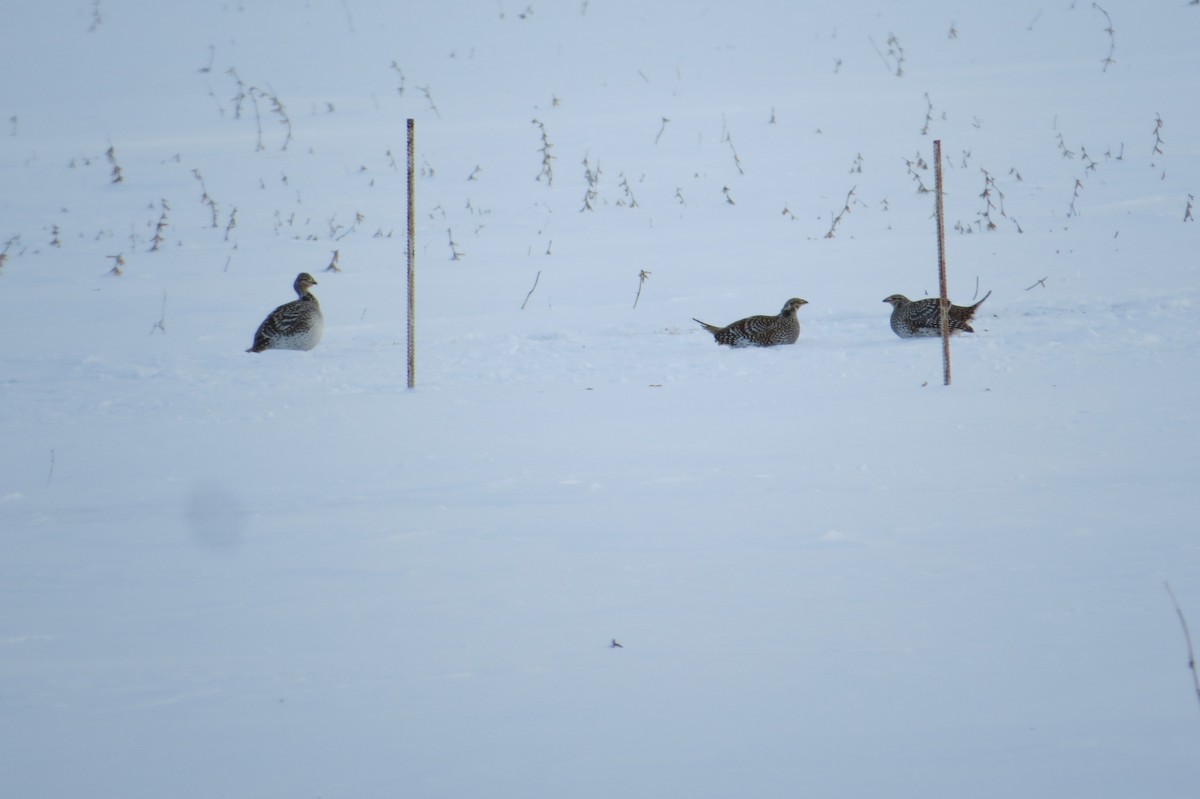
(760, 331)
(921, 318)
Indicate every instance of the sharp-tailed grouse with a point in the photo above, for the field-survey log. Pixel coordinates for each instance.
(919, 318)
(294, 326)
(761, 331)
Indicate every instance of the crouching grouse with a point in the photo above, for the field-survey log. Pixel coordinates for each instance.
(920, 318)
(760, 331)
(296, 325)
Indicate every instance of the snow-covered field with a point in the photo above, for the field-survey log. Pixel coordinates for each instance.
(287, 575)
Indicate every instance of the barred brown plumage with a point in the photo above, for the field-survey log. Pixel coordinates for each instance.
(760, 331)
(297, 325)
(921, 318)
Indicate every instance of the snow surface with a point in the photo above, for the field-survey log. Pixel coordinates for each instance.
(286, 575)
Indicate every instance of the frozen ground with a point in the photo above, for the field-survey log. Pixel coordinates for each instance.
(286, 575)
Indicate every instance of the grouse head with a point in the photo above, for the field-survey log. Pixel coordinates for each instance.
(304, 281)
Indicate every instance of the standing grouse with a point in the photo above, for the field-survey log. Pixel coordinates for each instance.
(760, 331)
(922, 318)
(294, 326)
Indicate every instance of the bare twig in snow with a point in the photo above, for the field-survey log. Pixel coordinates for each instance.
(913, 166)
(111, 154)
(838, 218)
(1075, 196)
(990, 190)
(894, 59)
(736, 160)
(547, 158)
(629, 200)
(661, 130)
(536, 278)
(161, 324)
(400, 72)
(1187, 638)
(205, 199)
(1108, 60)
(429, 98)
(928, 115)
(643, 275)
(897, 54)
(593, 178)
(240, 97)
(1062, 148)
(1089, 164)
(159, 239)
(358, 217)
(277, 109)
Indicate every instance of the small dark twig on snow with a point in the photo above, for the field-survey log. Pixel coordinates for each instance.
(1187, 637)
